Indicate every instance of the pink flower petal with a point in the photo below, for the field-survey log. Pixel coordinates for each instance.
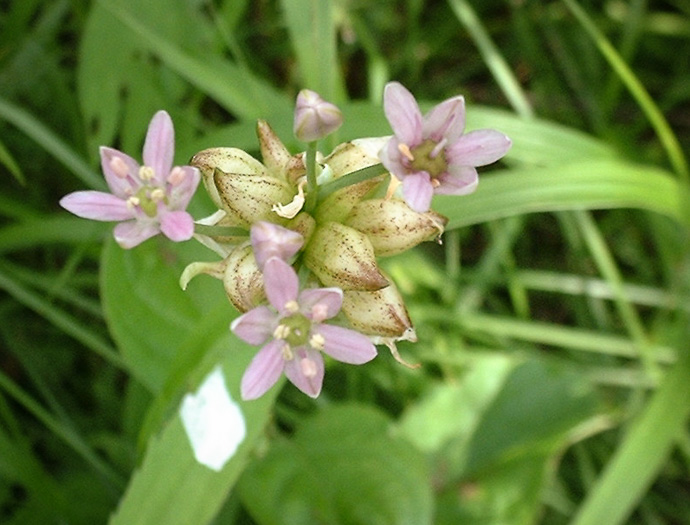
(324, 302)
(346, 345)
(97, 206)
(478, 148)
(460, 180)
(392, 159)
(176, 225)
(182, 193)
(256, 326)
(306, 371)
(280, 283)
(417, 191)
(263, 372)
(159, 146)
(403, 113)
(131, 233)
(445, 120)
(122, 186)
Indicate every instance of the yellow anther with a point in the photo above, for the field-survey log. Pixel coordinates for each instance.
(317, 342)
(133, 202)
(146, 173)
(281, 331)
(287, 352)
(405, 150)
(292, 307)
(157, 195)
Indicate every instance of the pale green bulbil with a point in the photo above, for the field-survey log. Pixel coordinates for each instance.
(392, 226)
(227, 160)
(242, 279)
(249, 198)
(343, 257)
(379, 313)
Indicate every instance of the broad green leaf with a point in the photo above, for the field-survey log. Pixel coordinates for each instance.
(492, 436)
(148, 314)
(171, 486)
(597, 184)
(342, 466)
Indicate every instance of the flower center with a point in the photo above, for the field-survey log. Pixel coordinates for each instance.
(429, 156)
(294, 329)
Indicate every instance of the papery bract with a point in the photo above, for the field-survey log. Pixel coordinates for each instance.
(147, 199)
(431, 154)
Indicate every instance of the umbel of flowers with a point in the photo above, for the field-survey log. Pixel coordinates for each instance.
(299, 236)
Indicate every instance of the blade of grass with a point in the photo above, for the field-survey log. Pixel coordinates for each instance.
(656, 118)
(600, 184)
(68, 435)
(494, 61)
(643, 452)
(62, 320)
(50, 142)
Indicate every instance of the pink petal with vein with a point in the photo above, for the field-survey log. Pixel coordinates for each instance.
(131, 233)
(280, 283)
(263, 372)
(306, 371)
(121, 186)
(159, 146)
(460, 180)
(346, 345)
(97, 205)
(478, 148)
(445, 120)
(176, 225)
(256, 326)
(403, 113)
(417, 191)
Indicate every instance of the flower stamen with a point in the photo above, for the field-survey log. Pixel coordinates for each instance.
(405, 150)
(281, 332)
(317, 342)
(146, 173)
(292, 307)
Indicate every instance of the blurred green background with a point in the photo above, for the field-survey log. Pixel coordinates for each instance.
(553, 322)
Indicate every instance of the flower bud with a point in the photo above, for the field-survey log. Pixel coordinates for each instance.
(314, 117)
(243, 281)
(392, 226)
(273, 152)
(343, 257)
(380, 313)
(270, 240)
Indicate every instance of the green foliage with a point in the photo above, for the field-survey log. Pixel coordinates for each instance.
(552, 322)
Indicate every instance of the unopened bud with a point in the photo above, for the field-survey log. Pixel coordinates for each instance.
(314, 117)
(270, 240)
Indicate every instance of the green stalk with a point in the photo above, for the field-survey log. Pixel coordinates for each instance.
(312, 186)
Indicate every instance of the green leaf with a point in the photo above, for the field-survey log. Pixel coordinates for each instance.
(150, 317)
(492, 436)
(342, 466)
(312, 29)
(171, 486)
(597, 184)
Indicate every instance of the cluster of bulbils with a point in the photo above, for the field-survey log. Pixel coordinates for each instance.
(299, 235)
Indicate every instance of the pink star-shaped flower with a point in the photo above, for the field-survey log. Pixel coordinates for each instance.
(431, 153)
(145, 199)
